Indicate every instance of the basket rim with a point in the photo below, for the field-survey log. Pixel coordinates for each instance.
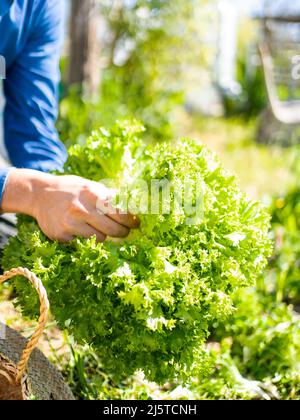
(25, 386)
(46, 382)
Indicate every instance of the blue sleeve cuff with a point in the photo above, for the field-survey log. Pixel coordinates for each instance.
(3, 178)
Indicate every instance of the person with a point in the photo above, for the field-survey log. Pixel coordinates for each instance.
(64, 206)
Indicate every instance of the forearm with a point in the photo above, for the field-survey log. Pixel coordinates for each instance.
(21, 190)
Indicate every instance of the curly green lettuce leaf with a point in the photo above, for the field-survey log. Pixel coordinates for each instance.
(149, 302)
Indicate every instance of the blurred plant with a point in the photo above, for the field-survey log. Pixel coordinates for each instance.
(266, 336)
(284, 276)
(145, 47)
(145, 55)
(253, 97)
(149, 48)
(257, 351)
(226, 381)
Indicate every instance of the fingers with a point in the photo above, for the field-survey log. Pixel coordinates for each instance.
(87, 231)
(105, 224)
(61, 237)
(104, 206)
(126, 219)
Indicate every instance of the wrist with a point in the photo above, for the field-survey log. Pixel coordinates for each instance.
(22, 191)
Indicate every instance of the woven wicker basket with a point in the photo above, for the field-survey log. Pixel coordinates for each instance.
(27, 373)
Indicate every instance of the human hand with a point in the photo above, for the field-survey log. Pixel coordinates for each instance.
(66, 206)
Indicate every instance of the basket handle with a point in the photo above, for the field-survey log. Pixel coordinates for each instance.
(44, 308)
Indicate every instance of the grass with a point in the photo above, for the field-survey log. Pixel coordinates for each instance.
(261, 169)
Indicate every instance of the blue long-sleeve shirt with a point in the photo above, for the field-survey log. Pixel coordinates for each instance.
(30, 40)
